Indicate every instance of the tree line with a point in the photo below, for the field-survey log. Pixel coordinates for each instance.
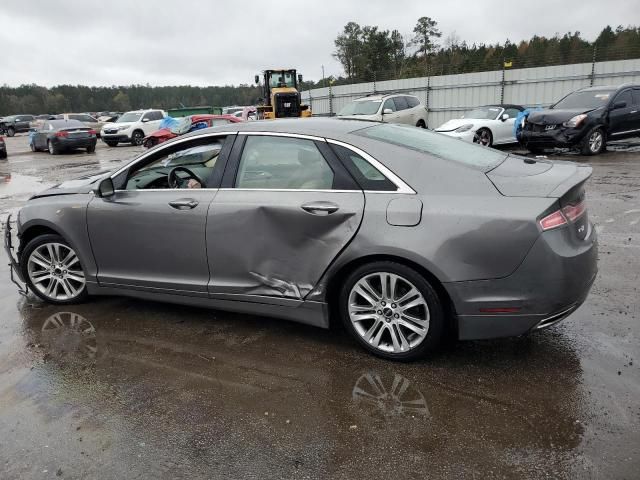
(366, 53)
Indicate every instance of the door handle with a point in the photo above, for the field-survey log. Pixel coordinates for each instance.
(183, 204)
(320, 208)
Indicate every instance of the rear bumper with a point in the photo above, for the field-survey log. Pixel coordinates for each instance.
(550, 284)
(561, 137)
(70, 143)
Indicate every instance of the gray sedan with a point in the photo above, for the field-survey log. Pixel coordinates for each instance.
(403, 234)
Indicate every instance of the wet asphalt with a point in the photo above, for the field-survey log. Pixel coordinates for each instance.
(123, 388)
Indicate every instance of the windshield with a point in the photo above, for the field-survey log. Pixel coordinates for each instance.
(483, 113)
(129, 117)
(366, 107)
(282, 79)
(437, 144)
(585, 99)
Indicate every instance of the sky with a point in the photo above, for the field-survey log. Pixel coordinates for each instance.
(206, 42)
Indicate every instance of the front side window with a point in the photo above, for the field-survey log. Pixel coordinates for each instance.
(389, 105)
(512, 112)
(401, 103)
(483, 113)
(624, 97)
(283, 163)
(196, 157)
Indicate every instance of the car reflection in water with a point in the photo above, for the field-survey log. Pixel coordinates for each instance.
(69, 337)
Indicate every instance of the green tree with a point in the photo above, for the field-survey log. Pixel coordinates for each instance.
(426, 31)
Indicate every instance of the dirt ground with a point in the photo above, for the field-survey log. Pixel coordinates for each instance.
(122, 388)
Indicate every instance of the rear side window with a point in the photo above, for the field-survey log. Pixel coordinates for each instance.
(412, 102)
(401, 103)
(436, 144)
(367, 176)
(636, 96)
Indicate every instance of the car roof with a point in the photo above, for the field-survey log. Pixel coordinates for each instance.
(380, 96)
(606, 87)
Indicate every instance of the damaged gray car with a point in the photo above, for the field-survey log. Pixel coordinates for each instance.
(403, 234)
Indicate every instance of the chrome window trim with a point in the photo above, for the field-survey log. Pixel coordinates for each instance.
(284, 134)
(403, 187)
(153, 151)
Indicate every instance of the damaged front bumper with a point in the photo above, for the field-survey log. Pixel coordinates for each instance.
(14, 265)
(558, 137)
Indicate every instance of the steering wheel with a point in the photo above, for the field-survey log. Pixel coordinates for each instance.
(177, 182)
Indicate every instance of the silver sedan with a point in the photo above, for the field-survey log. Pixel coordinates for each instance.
(403, 234)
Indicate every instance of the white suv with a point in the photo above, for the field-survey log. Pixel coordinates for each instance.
(393, 108)
(132, 127)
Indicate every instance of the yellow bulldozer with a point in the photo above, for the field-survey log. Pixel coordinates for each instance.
(281, 97)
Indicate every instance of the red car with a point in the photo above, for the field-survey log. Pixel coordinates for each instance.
(184, 126)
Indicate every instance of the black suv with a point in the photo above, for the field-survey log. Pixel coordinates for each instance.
(585, 119)
(16, 124)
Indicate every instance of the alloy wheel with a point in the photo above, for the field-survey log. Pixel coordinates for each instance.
(595, 141)
(54, 270)
(483, 138)
(388, 312)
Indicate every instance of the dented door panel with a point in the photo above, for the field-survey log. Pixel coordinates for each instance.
(277, 243)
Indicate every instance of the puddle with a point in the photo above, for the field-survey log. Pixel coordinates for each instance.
(15, 184)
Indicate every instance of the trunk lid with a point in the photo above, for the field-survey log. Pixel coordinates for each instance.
(527, 177)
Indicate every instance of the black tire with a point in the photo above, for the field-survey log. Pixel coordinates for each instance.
(421, 124)
(52, 149)
(24, 258)
(3, 155)
(481, 135)
(111, 143)
(11, 132)
(137, 137)
(91, 149)
(32, 146)
(590, 144)
(436, 325)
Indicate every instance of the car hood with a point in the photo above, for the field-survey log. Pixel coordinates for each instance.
(525, 177)
(458, 122)
(373, 116)
(84, 184)
(553, 116)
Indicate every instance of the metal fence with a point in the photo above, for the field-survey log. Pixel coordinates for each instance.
(448, 96)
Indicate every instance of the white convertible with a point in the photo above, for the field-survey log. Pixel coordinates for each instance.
(489, 125)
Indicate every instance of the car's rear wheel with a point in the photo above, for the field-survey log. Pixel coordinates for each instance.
(52, 270)
(53, 150)
(392, 311)
(421, 124)
(483, 137)
(32, 146)
(91, 149)
(111, 143)
(594, 142)
(11, 132)
(136, 138)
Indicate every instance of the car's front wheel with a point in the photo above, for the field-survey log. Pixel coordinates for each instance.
(594, 142)
(392, 311)
(52, 270)
(11, 132)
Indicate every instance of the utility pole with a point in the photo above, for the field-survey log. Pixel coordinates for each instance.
(324, 82)
(593, 66)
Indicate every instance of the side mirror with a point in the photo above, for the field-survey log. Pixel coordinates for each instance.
(387, 111)
(504, 117)
(145, 120)
(105, 188)
(299, 78)
(618, 105)
(256, 79)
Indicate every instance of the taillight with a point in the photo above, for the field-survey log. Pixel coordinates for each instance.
(566, 214)
(92, 132)
(573, 212)
(62, 134)
(554, 220)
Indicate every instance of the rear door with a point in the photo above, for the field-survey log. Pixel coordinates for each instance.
(286, 210)
(404, 112)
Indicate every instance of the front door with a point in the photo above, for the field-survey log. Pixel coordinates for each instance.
(620, 120)
(151, 234)
(289, 209)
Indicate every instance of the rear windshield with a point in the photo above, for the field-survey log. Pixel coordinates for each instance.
(66, 123)
(437, 144)
(361, 107)
(585, 99)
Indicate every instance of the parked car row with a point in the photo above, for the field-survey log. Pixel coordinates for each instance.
(585, 119)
